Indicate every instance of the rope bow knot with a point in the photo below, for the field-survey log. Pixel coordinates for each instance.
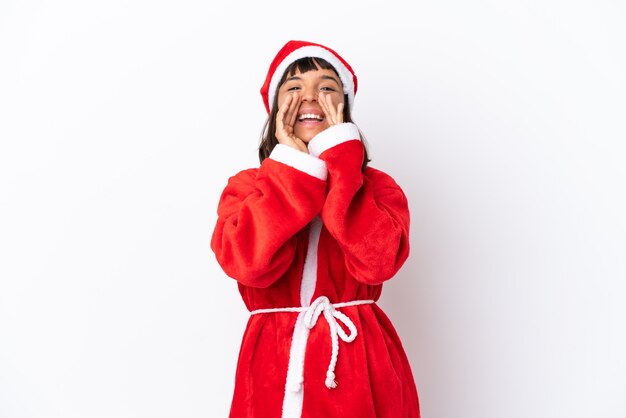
(322, 305)
(295, 373)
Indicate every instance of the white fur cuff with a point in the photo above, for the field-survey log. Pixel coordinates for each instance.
(300, 160)
(332, 136)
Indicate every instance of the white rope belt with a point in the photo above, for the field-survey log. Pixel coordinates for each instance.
(312, 312)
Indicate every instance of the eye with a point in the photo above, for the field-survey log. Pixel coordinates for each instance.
(291, 85)
(327, 89)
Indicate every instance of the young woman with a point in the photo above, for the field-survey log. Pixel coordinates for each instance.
(310, 236)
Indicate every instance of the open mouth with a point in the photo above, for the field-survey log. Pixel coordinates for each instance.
(310, 117)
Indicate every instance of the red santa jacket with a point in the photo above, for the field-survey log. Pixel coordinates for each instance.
(311, 231)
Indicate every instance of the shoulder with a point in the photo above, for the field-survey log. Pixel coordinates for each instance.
(384, 187)
(240, 184)
(245, 176)
(380, 178)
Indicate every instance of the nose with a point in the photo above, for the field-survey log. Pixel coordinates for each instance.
(309, 94)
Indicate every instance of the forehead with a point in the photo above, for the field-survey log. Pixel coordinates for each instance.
(318, 74)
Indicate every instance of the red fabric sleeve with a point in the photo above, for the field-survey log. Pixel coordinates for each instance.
(366, 212)
(259, 213)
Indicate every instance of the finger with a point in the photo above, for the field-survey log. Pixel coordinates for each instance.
(295, 105)
(337, 112)
(302, 146)
(324, 106)
(340, 113)
(288, 104)
(331, 110)
(283, 109)
(280, 119)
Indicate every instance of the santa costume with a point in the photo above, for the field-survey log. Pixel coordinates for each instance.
(310, 239)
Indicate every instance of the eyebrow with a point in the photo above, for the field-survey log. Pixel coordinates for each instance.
(328, 77)
(324, 77)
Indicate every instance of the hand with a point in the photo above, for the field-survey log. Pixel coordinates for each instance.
(334, 116)
(285, 119)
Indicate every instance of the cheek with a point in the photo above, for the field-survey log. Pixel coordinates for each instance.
(338, 98)
(281, 99)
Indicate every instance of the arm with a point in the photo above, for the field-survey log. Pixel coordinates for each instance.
(367, 213)
(261, 211)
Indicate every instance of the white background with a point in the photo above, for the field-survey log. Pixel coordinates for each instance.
(120, 122)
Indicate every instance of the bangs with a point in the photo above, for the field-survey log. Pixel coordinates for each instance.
(307, 64)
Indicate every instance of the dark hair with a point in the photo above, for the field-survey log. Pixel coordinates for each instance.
(268, 136)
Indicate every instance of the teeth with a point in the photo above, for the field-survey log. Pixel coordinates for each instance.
(310, 116)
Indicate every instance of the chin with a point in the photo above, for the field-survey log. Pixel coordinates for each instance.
(308, 134)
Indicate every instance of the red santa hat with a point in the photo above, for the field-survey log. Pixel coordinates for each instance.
(293, 51)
